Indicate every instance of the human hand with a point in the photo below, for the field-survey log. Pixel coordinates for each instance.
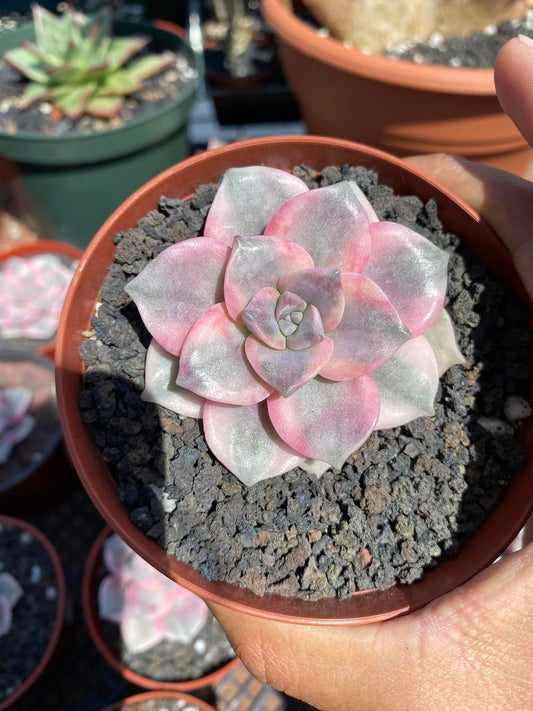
(471, 649)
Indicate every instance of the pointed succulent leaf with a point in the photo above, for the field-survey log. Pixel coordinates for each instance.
(104, 106)
(325, 420)
(441, 338)
(287, 370)
(365, 204)
(185, 617)
(118, 83)
(247, 199)
(160, 373)
(407, 384)
(411, 271)
(320, 287)
(288, 304)
(123, 48)
(111, 599)
(369, 333)
(330, 224)
(176, 287)
(116, 554)
(243, 439)
(72, 103)
(34, 93)
(260, 318)
(27, 64)
(139, 633)
(10, 588)
(308, 332)
(149, 66)
(212, 363)
(46, 60)
(257, 262)
(65, 75)
(51, 32)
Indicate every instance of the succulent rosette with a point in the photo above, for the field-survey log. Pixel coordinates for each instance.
(296, 325)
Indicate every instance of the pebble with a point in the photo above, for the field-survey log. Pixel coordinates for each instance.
(516, 408)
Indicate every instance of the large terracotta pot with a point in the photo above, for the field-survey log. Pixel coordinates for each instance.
(180, 181)
(398, 106)
(90, 612)
(35, 533)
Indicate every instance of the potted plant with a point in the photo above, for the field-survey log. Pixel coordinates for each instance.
(156, 634)
(153, 700)
(171, 477)
(73, 169)
(34, 278)
(396, 105)
(32, 606)
(34, 471)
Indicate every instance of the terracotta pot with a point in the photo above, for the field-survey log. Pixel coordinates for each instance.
(89, 602)
(60, 613)
(153, 695)
(41, 482)
(42, 246)
(180, 181)
(398, 106)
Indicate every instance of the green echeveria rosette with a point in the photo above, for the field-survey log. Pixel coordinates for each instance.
(296, 325)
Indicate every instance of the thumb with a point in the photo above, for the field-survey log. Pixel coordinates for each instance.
(513, 76)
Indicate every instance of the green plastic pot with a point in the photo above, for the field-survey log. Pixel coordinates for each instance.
(70, 184)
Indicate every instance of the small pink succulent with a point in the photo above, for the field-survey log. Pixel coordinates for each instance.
(296, 325)
(15, 421)
(148, 606)
(10, 594)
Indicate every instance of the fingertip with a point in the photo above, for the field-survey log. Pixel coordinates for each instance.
(513, 77)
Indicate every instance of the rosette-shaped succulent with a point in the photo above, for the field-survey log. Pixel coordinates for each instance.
(296, 325)
(148, 606)
(77, 66)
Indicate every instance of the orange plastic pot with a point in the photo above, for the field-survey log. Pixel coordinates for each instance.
(90, 611)
(398, 106)
(156, 695)
(180, 181)
(60, 609)
(42, 246)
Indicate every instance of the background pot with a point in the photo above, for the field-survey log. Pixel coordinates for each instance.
(30, 249)
(180, 181)
(152, 695)
(60, 614)
(398, 106)
(70, 184)
(90, 611)
(41, 482)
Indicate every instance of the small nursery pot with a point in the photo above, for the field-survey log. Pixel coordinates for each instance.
(42, 476)
(159, 695)
(36, 534)
(90, 611)
(30, 249)
(398, 106)
(180, 181)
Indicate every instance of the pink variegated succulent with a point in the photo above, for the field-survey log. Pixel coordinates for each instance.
(148, 606)
(296, 325)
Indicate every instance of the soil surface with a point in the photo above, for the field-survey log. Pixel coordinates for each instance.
(155, 92)
(34, 614)
(21, 370)
(406, 500)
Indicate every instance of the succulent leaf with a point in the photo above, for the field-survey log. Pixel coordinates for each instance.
(212, 363)
(51, 32)
(259, 317)
(148, 66)
(122, 49)
(247, 199)
(441, 338)
(27, 63)
(243, 439)
(330, 224)
(72, 102)
(320, 287)
(105, 106)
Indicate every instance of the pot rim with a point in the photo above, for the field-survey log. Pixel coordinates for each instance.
(169, 694)
(363, 607)
(42, 246)
(60, 609)
(89, 605)
(303, 38)
(152, 28)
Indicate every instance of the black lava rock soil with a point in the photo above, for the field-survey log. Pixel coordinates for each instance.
(34, 615)
(406, 500)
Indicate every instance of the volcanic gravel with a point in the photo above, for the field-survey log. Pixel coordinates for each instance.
(34, 614)
(406, 500)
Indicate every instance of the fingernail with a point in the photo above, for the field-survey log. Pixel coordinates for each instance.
(525, 40)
